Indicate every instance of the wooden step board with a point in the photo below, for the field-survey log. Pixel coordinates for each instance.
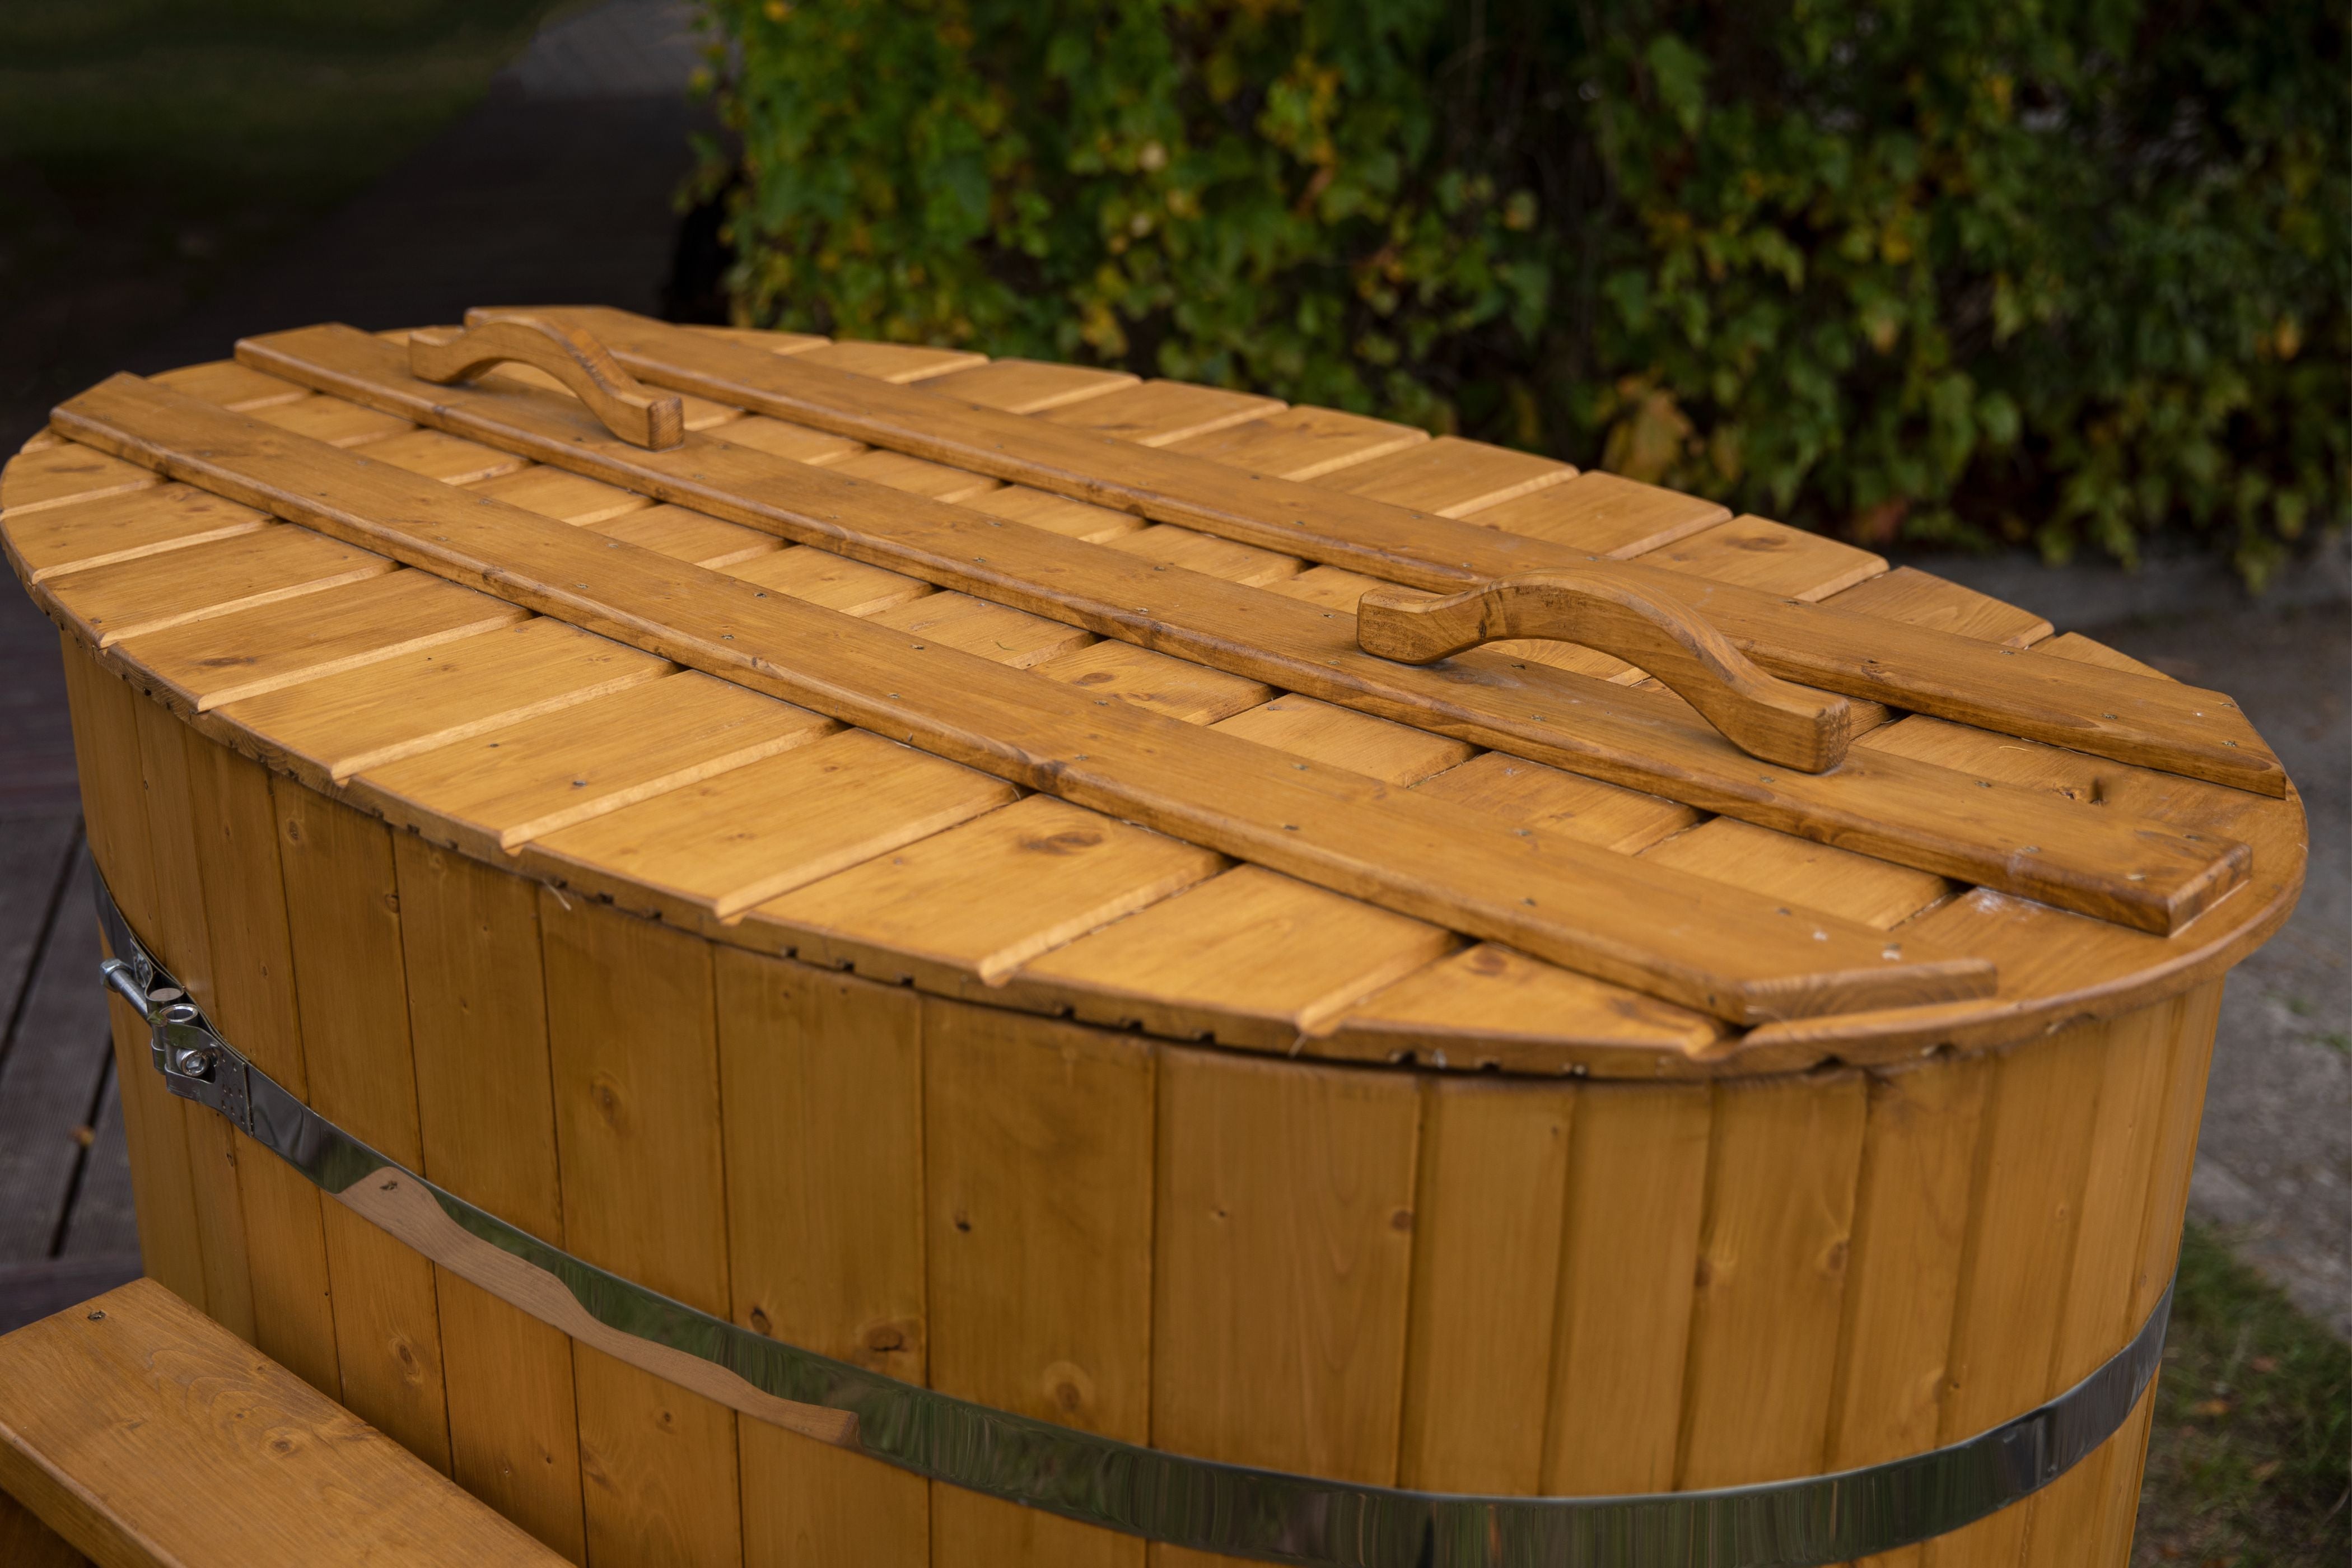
(147, 1436)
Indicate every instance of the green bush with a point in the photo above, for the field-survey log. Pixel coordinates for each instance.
(2064, 273)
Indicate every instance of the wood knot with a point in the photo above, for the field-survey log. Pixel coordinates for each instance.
(1069, 1388)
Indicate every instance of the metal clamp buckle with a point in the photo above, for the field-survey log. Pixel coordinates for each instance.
(196, 1062)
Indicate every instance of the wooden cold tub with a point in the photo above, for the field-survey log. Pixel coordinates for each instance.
(1181, 1119)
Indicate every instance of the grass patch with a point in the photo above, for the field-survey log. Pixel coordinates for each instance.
(2249, 1464)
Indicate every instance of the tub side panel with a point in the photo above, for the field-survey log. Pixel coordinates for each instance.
(106, 753)
(821, 1077)
(634, 1044)
(469, 937)
(342, 903)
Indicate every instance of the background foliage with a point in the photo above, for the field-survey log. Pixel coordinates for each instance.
(2065, 272)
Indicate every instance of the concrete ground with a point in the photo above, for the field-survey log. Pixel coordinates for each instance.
(558, 188)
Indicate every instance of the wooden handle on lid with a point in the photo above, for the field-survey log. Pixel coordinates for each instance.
(443, 355)
(1778, 721)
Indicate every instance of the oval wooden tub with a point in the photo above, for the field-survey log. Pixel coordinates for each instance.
(877, 1055)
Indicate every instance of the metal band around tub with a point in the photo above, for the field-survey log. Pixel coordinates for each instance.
(1141, 1491)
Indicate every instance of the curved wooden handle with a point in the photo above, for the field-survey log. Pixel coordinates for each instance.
(1794, 726)
(443, 355)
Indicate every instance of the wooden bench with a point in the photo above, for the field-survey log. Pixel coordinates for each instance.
(146, 1435)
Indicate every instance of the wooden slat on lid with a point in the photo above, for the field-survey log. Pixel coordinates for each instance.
(1338, 738)
(1488, 1007)
(1233, 629)
(1793, 967)
(122, 527)
(1538, 796)
(231, 385)
(1202, 553)
(1605, 514)
(66, 472)
(738, 838)
(1754, 552)
(421, 701)
(155, 1438)
(1449, 477)
(1817, 875)
(1171, 686)
(915, 476)
(2083, 650)
(1928, 671)
(764, 340)
(898, 363)
(499, 790)
(936, 911)
(685, 535)
(1252, 957)
(333, 421)
(1918, 599)
(820, 577)
(1057, 514)
(1332, 587)
(150, 592)
(222, 659)
(695, 413)
(1156, 413)
(449, 459)
(551, 492)
(1028, 385)
(1008, 636)
(782, 439)
(1301, 442)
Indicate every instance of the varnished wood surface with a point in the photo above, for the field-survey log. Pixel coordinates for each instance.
(2141, 721)
(1695, 942)
(2132, 871)
(149, 1438)
(1451, 1013)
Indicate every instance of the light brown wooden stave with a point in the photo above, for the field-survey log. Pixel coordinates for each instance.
(343, 908)
(1928, 818)
(1401, 851)
(486, 1121)
(632, 1041)
(152, 1438)
(1917, 670)
(821, 1082)
(1604, 1183)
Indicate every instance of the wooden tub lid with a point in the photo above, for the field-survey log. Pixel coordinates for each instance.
(1045, 686)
